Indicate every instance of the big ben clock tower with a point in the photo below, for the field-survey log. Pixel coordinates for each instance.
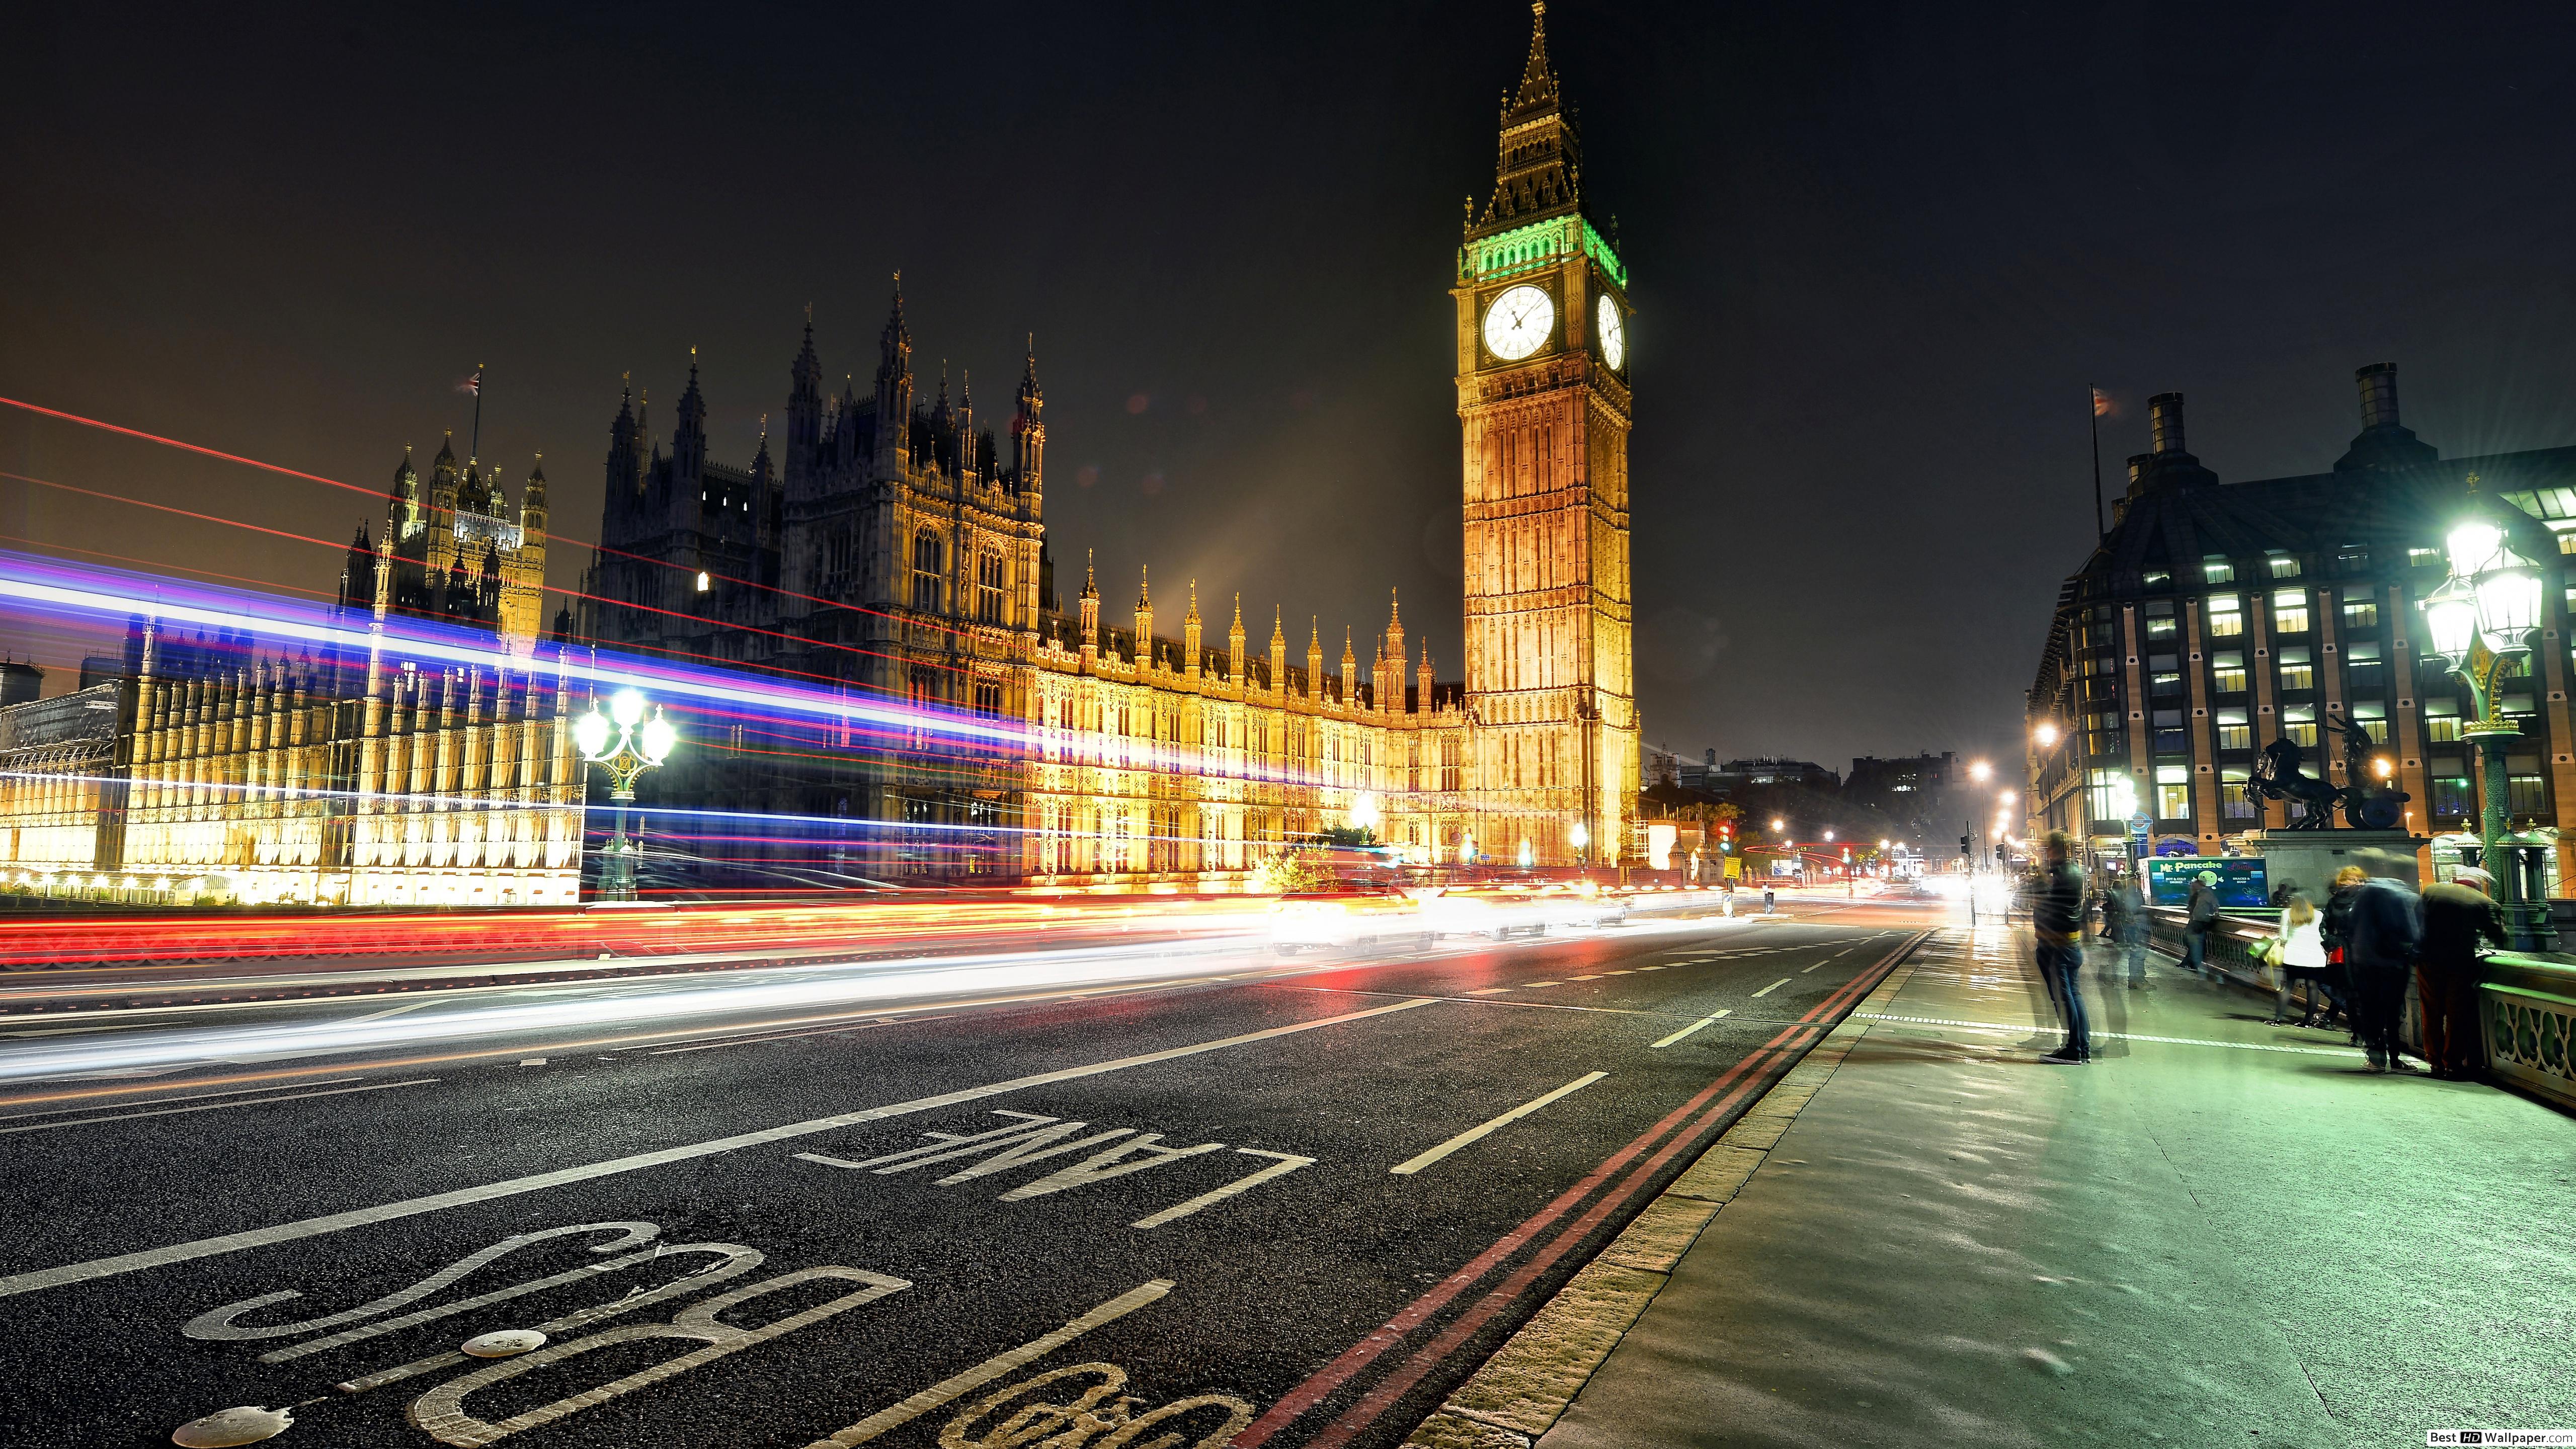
(1543, 408)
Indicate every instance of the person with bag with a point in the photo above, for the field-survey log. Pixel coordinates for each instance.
(2380, 950)
(2457, 916)
(2200, 917)
(2124, 921)
(2298, 954)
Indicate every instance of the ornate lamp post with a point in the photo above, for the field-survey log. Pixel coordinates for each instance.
(628, 744)
(2482, 616)
(1580, 837)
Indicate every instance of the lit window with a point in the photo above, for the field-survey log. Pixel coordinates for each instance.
(2451, 795)
(2173, 792)
(2227, 672)
(2296, 671)
(2290, 611)
(2299, 723)
(2217, 570)
(2360, 607)
(2233, 732)
(927, 560)
(2235, 799)
(988, 588)
(2157, 579)
(2280, 563)
(2423, 557)
(2160, 629)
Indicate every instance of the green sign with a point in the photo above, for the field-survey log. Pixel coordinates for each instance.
(2241, 881)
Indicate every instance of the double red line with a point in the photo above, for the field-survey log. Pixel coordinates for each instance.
(1705, 1113)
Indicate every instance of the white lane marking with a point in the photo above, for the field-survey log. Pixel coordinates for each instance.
(2242, 1046)
(1650, 968)
(958, 1386)
(1622, 973)
(183, 1097)
(212, 1106)
(1774, 986)
(1694, 1026)
(1583, 978)
(1487, 990)
(532, 1061)
(121, 1263)
(1412, 1165)
(757, 1040)
(1542, 983)
(1288, 1162)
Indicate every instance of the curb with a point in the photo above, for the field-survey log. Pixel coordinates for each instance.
(1521, 1391)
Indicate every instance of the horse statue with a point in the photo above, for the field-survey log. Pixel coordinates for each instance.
(2365, 806)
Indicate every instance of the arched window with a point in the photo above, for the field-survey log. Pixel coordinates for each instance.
(989, 606)
(927, 557)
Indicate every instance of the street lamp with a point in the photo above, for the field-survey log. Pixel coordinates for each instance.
(2480, 618)
(628, 744)
(1364, 812)
(2046, 734)
(1980, 771)
(1579, 837)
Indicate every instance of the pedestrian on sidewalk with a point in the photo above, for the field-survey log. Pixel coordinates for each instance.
(2300, 958)
(2387, 925)
(2057, 928)
(2200, 917)
(2124, 921)
(2337, 929)
(2457, 916)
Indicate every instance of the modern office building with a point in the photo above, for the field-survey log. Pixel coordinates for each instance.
(2215, 618)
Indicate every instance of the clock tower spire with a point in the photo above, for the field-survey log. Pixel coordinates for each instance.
(1543, 410)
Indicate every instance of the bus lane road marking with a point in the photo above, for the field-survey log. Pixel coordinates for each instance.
(135, 1262)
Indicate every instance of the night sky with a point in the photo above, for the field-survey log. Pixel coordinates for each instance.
(1878, 252)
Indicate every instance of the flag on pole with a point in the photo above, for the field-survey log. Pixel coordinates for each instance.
(2101, 402)
(473, 386)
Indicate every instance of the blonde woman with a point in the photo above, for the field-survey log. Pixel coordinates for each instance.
(2301, 956)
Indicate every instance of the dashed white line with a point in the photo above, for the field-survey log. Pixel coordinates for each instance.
(184, 1097)
(1685, 1031)
(1487, 990)
(1412, 1165)
(1774, 986)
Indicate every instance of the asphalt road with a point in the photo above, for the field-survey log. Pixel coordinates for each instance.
(1252, 1199)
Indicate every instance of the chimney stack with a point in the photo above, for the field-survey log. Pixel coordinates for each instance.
(2378, 384)
(2166, 410)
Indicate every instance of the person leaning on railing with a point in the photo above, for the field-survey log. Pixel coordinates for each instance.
(2337, 928)
(2387, 926)
(2457, 916)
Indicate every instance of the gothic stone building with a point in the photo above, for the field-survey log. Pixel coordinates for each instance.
(894, 546)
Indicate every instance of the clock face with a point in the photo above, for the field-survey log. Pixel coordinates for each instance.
(1614, 335)
(1518, 322)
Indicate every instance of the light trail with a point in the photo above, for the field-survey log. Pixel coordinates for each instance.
(807, 989)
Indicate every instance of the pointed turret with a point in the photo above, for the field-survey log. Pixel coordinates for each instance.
(625, 451)
(1144, 615)
(1422, 681)
(689, 438)
(1350, 669)
(804, 409)
(1234, 643)
(1028, 429)
(358, 572)
(1278, 649)
(1190, 634)
(402, 500)
(1090, 612)
(532, 502)
(1314, 658)
(1539, 170)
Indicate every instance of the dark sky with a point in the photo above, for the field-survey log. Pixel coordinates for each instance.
(1878, 253)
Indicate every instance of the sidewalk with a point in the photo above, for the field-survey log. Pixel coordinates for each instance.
(2217, 1233)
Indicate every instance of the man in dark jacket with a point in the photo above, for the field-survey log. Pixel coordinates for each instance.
(2057, 925)
(2124, 921)
(2457, 916)
(2386, 925)
(2200, 917)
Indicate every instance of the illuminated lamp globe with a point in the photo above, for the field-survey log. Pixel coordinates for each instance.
(1580, 836)
(2509, 605)
(627, 707)
(590, 732)
(1364, 812)
(1777, 825)
(1980, 771)
(2046, 734)
(2451, 618)
(658, 739)
(2472, 547)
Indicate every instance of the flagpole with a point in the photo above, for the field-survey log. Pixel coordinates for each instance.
(476, 448)
(2096, 406)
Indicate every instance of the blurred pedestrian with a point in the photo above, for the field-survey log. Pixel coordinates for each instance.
(2300, 957)
(2387, 923)
(2457, 916)
(2200, 917)
(2124, 921)
(2057, 928)
(2335, 929)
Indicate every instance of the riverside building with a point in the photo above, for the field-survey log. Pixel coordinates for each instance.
(2215, 618)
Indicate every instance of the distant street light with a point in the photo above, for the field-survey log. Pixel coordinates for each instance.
(2046, 734)
(1777, 825)
(1980, 771)
(1364, 812)
(628, 744)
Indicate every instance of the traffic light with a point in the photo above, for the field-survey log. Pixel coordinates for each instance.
(1999, 855)
(1964, 848)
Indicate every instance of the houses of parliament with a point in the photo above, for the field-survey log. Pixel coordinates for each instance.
(892, 543)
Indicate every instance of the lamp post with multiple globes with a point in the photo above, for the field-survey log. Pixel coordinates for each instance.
(626, 743)
(2480, 619)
